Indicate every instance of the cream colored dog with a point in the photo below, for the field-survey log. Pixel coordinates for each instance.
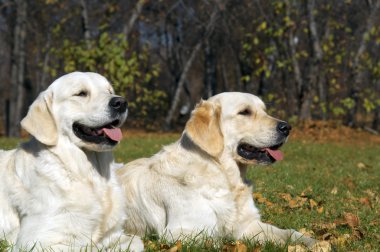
(198, 183)
(57, 190)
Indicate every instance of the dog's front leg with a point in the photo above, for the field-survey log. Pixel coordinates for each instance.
(263, 232)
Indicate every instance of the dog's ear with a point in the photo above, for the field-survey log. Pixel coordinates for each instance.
(39, 122)
(203, 128)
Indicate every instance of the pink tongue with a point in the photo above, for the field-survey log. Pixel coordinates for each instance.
(114, 133)
(276, 154)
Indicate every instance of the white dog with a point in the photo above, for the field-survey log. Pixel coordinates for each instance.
(198, 183)
(57, 190)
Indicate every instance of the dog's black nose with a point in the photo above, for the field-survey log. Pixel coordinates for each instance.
(284, 128)
(118, 104)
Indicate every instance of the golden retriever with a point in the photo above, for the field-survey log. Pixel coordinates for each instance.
(198, 183)
(57, 190)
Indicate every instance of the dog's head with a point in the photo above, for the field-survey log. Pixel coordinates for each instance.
(80, 107)
(237, 125)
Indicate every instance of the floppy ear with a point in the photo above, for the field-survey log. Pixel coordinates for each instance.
(203, 128)
(39, 121)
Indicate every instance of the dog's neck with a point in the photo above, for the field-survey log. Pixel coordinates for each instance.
(235, 171)
(243, 174)
(101, 161)
(84, 159)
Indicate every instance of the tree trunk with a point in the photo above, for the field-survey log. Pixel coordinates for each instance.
(133, 18)
(210, 70)
(180, 86)
(18, 69)
(85, 22)
(303, 88)
(316, 76)
(358, 73)
(5, 66)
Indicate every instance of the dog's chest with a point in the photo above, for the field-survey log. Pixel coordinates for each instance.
(216, 193)
(78, 205)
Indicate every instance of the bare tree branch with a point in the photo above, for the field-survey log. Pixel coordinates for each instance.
(176, 99)
(133, 18)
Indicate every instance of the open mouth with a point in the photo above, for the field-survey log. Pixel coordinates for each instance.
(108, 134)
(262, 155)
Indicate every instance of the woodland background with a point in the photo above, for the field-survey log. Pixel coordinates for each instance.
(307, 59)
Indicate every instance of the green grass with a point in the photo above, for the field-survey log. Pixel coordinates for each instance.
(327, 180)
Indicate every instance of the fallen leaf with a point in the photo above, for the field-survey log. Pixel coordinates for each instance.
(366, 202)
(341, 240)
(322, 246)
(238, 246)
(293, 203)
(327, 236)
(357, 234)
(172, 249)
(285, 196)
(361, 165)
(296, 248)
(320, 209)
(313, 203)
(352, 220)
(177, 247)
(370, 193)
(262, 200)
(164, 246)
(208, 244)
(334, 191)
(306, 232)
(257, 249)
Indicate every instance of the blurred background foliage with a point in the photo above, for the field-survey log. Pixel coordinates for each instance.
(307, 59)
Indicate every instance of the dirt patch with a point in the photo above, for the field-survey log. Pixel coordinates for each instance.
(329, 131)
(311, 131)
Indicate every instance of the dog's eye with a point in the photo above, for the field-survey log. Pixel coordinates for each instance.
(245, 112)
(82, 93)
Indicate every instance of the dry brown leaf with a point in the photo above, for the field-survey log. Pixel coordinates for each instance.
(293, 203)
(352, 220)
(257, 249)
(357, 234)
(262, 200)
(341, 240)
(164, 246)
(172, 249)
(208, 244)
(306, 232)
(370, 193)
(297, 248)
(320, 209)
(322, 246)
(237, 247)
(179, 245)
(285, 196)
(313, 203)
(150, 244)
(366, 202)
(327, 236)
(241, 247)
(257, 195)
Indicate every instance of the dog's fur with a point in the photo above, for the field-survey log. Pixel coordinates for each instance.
(198, 183)
(57, 190)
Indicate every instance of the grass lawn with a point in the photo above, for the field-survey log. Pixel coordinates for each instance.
(330, 190)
